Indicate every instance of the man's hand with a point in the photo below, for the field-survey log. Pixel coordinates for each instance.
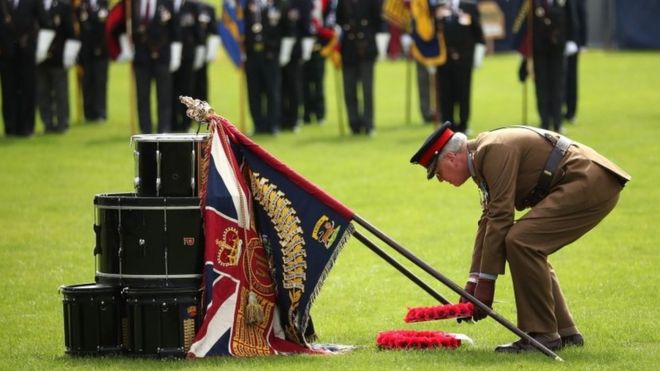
(484, 292)
(522, 70)
(469, 288)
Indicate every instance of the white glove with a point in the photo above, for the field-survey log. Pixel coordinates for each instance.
(175, 55)
(338, 31)
(570, 48)
(382, 39)
(212, 47)
(431, 69)
(126, 52)
(44, 39)
(71, 49)
(200, 57)
(307, 48)
(285, 50)
(479, 52)
(406, 41)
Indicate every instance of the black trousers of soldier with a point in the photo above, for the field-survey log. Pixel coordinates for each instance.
(424, 87)
(263, 83)
(360, 116)
(454, 86)
(291, 88)
(549, 81)
(144, 75)
(53, 98)
(183, 84)
(18, 78)
(95, 88)
(313, 89)
(571, 87)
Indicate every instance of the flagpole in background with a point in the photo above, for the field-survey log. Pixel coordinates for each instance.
(408, 89)
(241, 99)
(132, 104)
(78, 68)
(339, 93)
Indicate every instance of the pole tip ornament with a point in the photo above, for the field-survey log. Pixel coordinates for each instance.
(198, 110)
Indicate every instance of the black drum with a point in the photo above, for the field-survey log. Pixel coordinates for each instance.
(92, 319)
(168, 164)
(161, 322)
(148, 241)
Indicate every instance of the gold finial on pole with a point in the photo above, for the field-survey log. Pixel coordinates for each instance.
(198, 110)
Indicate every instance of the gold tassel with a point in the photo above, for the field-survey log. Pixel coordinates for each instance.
(253, 311)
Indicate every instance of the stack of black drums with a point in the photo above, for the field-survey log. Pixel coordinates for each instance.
(149, 257)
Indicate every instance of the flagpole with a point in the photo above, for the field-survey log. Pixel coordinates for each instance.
(241, 97)
(454, 287)
(408, 89)
(406, 272)
(78, 68)
(132, 104)
(339, 90)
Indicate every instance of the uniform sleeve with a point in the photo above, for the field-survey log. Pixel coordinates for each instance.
(475, 267)
(476, 27)
(500, 172)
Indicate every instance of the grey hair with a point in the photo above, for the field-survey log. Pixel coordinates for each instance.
(454, 145)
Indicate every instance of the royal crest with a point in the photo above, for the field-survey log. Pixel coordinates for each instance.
(229, 249)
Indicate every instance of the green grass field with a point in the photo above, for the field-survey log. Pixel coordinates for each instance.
(47, 186)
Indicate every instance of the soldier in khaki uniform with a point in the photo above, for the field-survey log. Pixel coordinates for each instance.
(569, 187)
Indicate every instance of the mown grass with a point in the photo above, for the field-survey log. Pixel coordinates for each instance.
(609, 276)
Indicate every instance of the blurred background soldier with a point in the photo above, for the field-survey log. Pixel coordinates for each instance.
(93, 58)
(263, 35)
(157, 55)
(359, 20)
(571, 86)
(206, 49)
(553, 38)
(19, 27)
(297, 29)
(185, 12)
(465, 43)
(313, 71)
(52, 73)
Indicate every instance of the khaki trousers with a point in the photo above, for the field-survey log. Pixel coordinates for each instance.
(586, 194)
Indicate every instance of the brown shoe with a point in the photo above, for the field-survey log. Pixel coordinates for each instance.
(572, 340)
(523, 345)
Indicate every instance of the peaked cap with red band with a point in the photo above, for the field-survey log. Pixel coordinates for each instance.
(427, 155)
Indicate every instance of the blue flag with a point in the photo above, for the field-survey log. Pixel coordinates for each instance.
(231, 29)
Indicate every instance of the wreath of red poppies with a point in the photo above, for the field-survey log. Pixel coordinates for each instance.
(411, 339)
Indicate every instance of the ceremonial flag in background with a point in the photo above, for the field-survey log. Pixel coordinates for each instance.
(428, 45)
(231, 29)
(522, 38)
(271, 237)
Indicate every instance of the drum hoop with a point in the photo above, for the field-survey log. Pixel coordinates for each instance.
(148, 276)
(89, 288)
(121, 207)
(183, 138)
(127, 201)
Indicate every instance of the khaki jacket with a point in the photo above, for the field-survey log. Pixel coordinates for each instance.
(506, 165)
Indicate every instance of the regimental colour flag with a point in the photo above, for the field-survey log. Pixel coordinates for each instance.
(271, 237)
